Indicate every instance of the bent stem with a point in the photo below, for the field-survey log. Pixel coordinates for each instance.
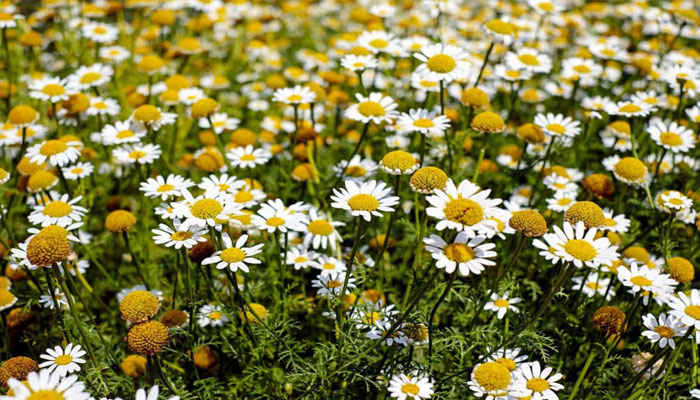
(392, 218)
(348, 271)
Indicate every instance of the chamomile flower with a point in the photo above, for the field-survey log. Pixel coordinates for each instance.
(177, 237)
(671, 136)
(381, 331)
(221, 184)
(320, 231)
(205, 210)
(358, 62)
(58, 153)
(663, 329)
(235, 257)
(366, 200)
(377, 41)
(78, 171)
(686, 308)
(99, 32)
(357, 169)
(221, 122)
(643, 279)
(63, 361)
(375, 108)
(469, 255)
(51, 89)
(425, 122)
(300, 258)
(248, 157)
(577, 245)
(331, 285)
(211, 316)
(630, 109)
(491, 380)
(122, 132)
(62, 212)
(529, 60)
(328, 265)
(560, 184)
(47, 300)
(296, 95)
(274, 216)
(166, 188)
(45, 383)
(413, 386)
(536, 383)
(137, 153)
(94, 75)
(672, 201)
(615, 223)
(557, 125)
(445, 63)
(463, 208)
(593, 285)
(501, 304)
(562, 200)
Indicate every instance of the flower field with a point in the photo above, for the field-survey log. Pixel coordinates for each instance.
(337, 199)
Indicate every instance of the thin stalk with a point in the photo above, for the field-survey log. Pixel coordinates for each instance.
(442, 297)
(348, 270)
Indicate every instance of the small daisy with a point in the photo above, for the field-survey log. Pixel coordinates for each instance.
(410, 387)
(643, 279)
(78, 171)
(62, 212)
(378, 41)
(51, 89)
(172, 186)
(357, 169)
(662, 330)
(300, 258)
(177, 237)
(560, 184)
(562, 200)
(46, 300)
(593, 285)
(575, 244)
(57, 152)
(380, 331)
(686, 308)
(235, 257)
(296, 95)
(274, 216)
(530, 60)
(615, 223)
(221, 184)
(629, 170)
(425, 122)
(46, 384)
(205, 210)
(502, 304)
(557, 125)
(671, 136)
(211, 316)
(137, 153)
(630, 109)
(94, 75)
(364, 201)
(511, 358)
(122, 132)
(102, 106)
(672, 201)
(331, 285)
(99, 32)
(358, 62)
(63, 361)
(463, 208)
(532, 382)
(445, 63)
(470, 256)
(328, 265)
(247, 157)
(375, 108)
(320, 231)
(221, 122)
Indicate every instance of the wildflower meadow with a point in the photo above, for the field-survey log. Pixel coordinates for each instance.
(349, 199)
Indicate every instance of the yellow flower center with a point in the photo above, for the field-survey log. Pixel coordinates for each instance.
(640, 280)
(355, 171)
(664, 331)
(136, 154)
(499, 26)
(693, 312)
(63, 360)
(424, 123)
(671, 139)
(371, 109)
(216, 315)
(301, 260)
(582, 69)
(441, 63)
(508, 363)
(363, 202)
(320, 227)
(90, 77)
(232, 255)
(592, 285)
(464, 211)
(630, 169)
(492, 376)
(206, 208)
(243, 197)
(378, 43)
(248, 157)
(459, 252)
(556, 128)
(45, 395)
(125, 134)
(548, 7)
(181, 235)
(53, 89)
(334, 284)
(51, 147)
(630, 108)
(537, 384)
(410, 388)
(502, 303)
(275, 222)
(57, 209)
(580, 249)
(529, 59)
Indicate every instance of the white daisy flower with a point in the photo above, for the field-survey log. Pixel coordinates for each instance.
(672, 201)
(643, 279)
(375, 108)
(425, 122)
(530, 60)
(557, 125)
(502, 304)
(137, 153)
(413, 386)
(46, 384)
(331, 285)
(95, 75)
(686, 308)
(296, 95)
(469, 255)
(78, 171)
(62, 212)
(593, 285)
(122, 132)
(663, 329)
(445, 63)
(172, 186)
(211, 316)
(463, 208)
(364, 201)
(205, 210)
(357, 169)
(235, 257)
(57, 152)
(671, 136)
(51, 89)
(630, 109)
(539, 384)
(176, 237)
(575, 244)
(221, 122)
(358, 62)
(63, 361)
(300, 258)
(320, 231)
(247, 157)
